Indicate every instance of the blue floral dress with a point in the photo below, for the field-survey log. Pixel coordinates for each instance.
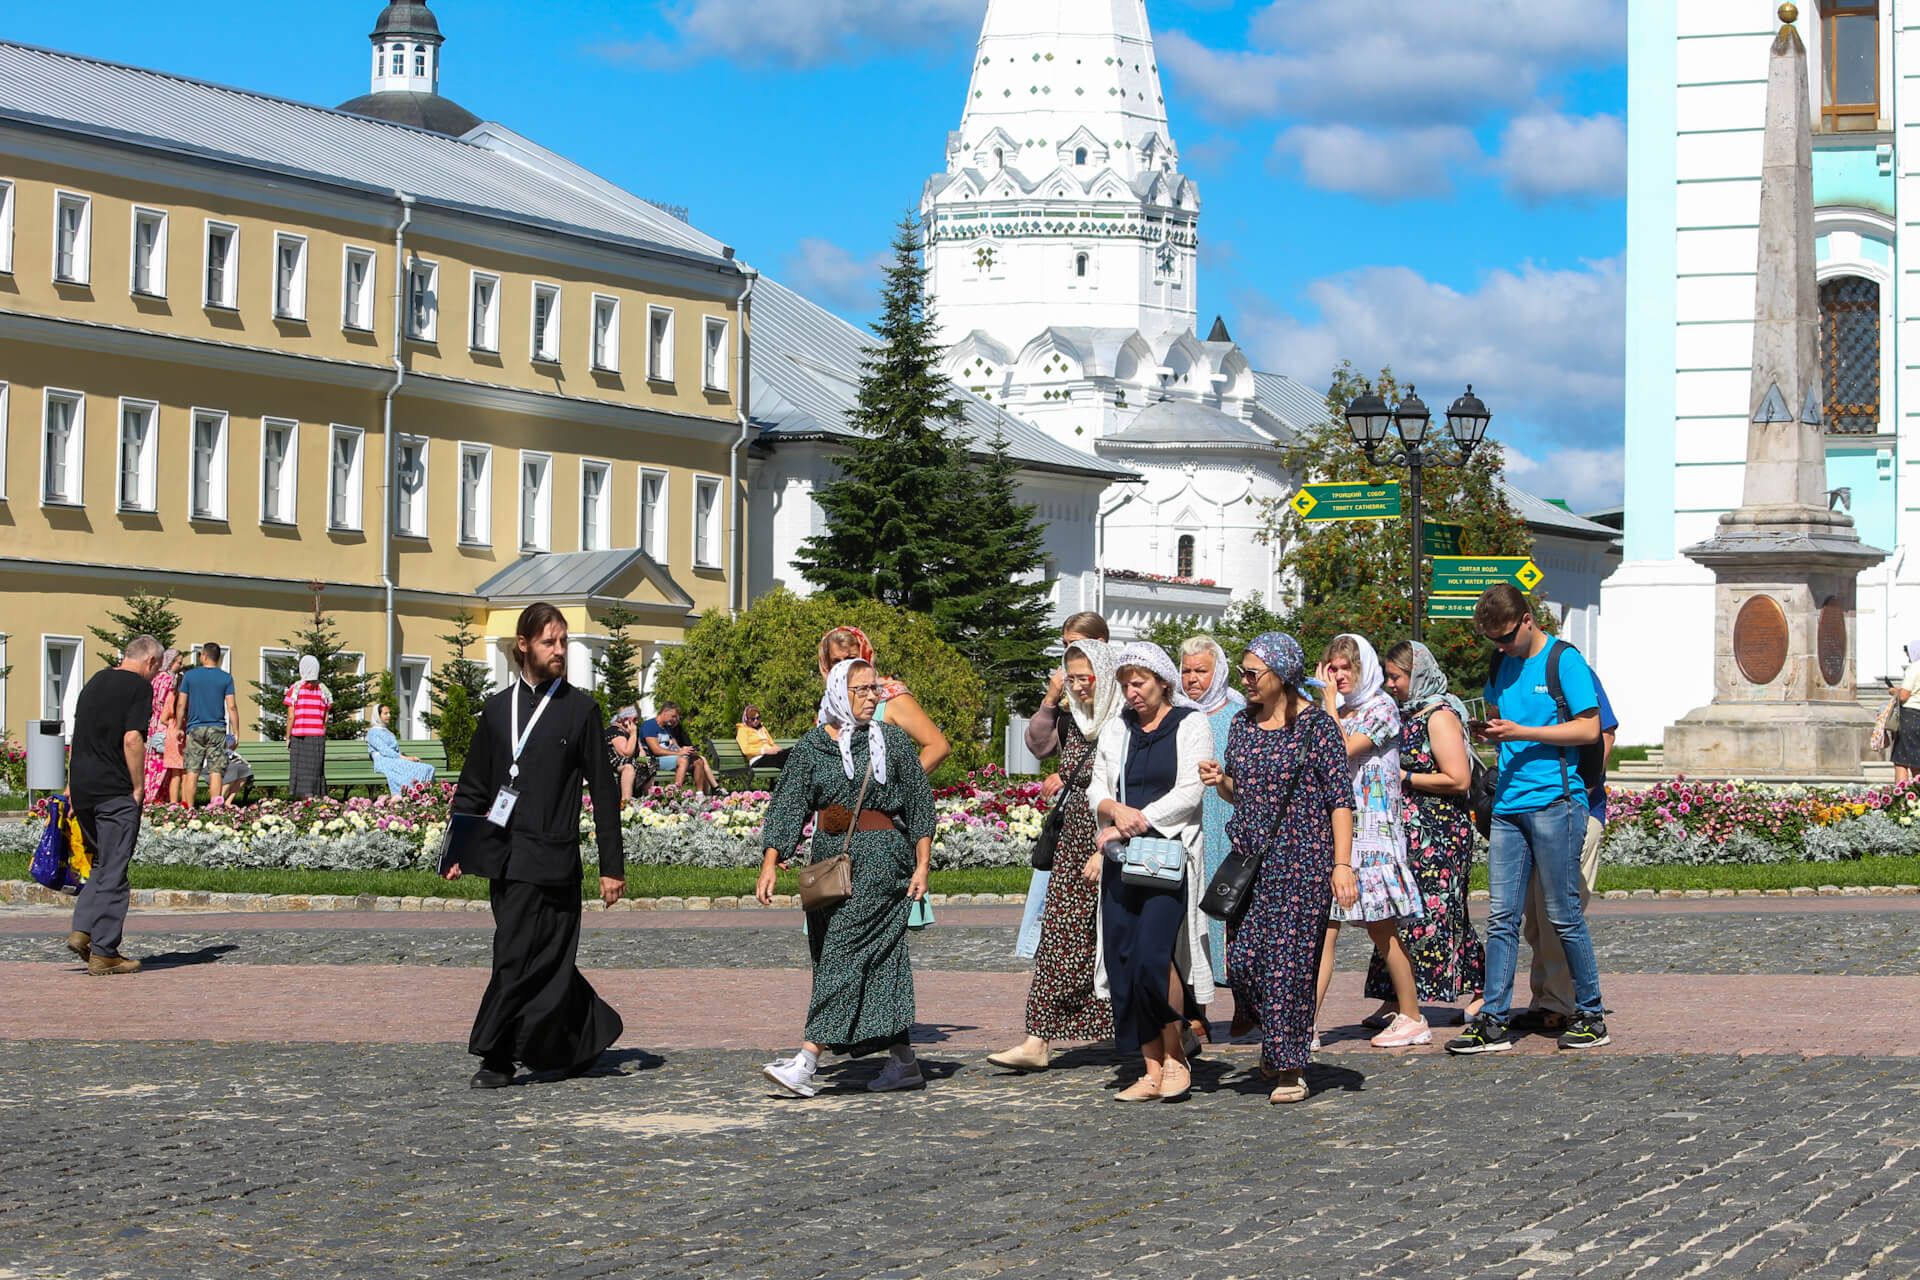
(1214, 813)
(399, 771)
(1289, 782)
(1388, 890)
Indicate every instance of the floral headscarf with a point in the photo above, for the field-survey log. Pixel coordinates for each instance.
(836, 709)
(1220, 692)
(1427, 685)
(1283, 656)
(863, 647)
(1093, 717)
(1368, 681)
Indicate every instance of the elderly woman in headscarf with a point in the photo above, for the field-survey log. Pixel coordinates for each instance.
(897, 704)
(1436, 775)
(1355, 694)
(1205, 681)
(1153, 939)
(309, 705)
(865, 783)
(1285, 773)
(1061, 1004)
(1906, 740)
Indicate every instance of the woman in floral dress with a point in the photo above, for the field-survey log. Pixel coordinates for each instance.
(1355, 693)
(1448, 961)
(1061, 1004)
(1285, 773)
(163, 752)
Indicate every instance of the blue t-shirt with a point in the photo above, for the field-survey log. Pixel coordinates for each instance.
(651, 729)
(1531, 773)
(207, 690)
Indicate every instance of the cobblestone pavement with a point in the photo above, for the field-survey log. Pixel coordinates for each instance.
(1863, 943)
(179, 1161)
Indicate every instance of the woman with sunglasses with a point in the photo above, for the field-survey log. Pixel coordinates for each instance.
(1285, 773)
(865, 783)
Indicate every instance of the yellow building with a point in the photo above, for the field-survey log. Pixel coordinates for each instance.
(248, 346)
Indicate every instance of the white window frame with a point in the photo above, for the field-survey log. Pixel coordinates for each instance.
(356, 481)
(358, 318)
(716, 533)
(405, 510)
(606, 333)
(660, 355)
(542, 513)
(267, 654)
(5, 406)
(76, 448)
(425, 329)
(82, 273)
(146, 499)
(157, 268)
(483, 324)
(713, 360)
(229, 299)
(6, 227)
(289, 474)
(601, 529)
(481, 535)
(215, 511)
(544, 344)
(412, 720)
(70, 695)
(653, 541)
(289, 291)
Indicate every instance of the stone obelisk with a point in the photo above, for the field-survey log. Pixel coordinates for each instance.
(1785, 565)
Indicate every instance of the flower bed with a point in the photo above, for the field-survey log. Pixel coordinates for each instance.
(1688, 823)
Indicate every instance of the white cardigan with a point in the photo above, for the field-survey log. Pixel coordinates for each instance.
(1176, 815)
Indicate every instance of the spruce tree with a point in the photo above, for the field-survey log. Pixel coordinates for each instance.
(895, 512)
(459, 687)
(617, 667)
(146, 615)
(339, 671)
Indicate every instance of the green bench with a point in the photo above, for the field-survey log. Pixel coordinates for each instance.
(730, 762)
(349, 767)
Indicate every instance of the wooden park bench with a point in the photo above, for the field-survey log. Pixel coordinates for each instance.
(730, 763)
(349, 767)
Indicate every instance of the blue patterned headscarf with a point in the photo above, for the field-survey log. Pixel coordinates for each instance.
(1283, 656)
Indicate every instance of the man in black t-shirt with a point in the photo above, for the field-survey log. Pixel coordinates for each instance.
(106, 783)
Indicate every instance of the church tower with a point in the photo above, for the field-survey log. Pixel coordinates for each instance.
(1062, 193)
(406, 73)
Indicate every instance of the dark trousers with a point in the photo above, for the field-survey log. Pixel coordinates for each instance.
(111, 827)
(539, 1008)
(1139, 929)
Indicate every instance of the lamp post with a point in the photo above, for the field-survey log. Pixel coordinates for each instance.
(1369, 416)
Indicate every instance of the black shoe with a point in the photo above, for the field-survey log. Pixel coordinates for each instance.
(1586, 1031)
(1485, 1034)
(1544, 1020)
(492, 1075)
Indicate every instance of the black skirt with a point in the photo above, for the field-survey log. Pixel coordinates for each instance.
(307, 766)
(1906, 740)
(539, 1008)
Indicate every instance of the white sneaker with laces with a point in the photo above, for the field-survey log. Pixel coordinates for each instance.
(793, 1075)
(897, 1075)
(1403, 1031)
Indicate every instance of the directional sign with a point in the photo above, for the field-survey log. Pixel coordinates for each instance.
(1470, 575)
(1441, 539)
(1451, 606)
(1317, 502)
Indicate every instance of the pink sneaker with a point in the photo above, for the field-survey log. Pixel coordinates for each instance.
(1403, 1031)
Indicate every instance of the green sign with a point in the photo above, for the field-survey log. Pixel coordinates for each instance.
(1318, 502)
(1451, 606)
(1470, 575)
(1441, 539)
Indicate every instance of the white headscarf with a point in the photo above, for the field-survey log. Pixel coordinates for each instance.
(1093, 717)
(1368, 680)
(1151, 657)
(836, 708)
(310, 674)
(1220, 692)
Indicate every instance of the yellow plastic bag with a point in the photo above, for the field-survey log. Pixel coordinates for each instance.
(79, 856)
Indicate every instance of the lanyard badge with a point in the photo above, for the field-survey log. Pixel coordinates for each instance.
(502, 812)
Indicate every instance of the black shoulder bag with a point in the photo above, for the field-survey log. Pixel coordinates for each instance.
(1048, 840)
(1231, 888)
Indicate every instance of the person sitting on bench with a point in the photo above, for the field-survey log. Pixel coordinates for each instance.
(662, 737)
(755, 743)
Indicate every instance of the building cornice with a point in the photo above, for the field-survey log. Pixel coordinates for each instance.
(138, 574)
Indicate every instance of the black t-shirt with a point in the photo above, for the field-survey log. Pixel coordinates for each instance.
(113, 704)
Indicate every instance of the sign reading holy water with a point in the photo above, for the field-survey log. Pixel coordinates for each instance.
(1470, 575)
(1317, 502)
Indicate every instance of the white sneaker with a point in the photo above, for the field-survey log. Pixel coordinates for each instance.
(1315, 1046)
(793, 1075)
(897, 1075)
(1403, 1031)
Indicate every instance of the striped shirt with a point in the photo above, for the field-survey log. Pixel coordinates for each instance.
(307, 711)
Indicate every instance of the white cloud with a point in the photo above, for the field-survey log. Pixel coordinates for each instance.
(1547, 156)
(1586, 479)
(1391, 164)
(795, 33)
(833, 277)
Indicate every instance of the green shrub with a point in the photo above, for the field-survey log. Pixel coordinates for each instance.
(769, 656)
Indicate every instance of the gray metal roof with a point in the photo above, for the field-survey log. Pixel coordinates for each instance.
(570, 575)
(1551, 518)
(806, 379)
(1189, 424)
(191, 117)
(406, 18)
(1293, 403)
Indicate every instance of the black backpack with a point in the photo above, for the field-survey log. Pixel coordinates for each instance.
(1591, 763)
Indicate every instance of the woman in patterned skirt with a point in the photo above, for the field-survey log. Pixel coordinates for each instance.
(1356, 695)
(862, 998)
(309, 710)
(1061, 1004)
(1285, 773)
(1448, 961)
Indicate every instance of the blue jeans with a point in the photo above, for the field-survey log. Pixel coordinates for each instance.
(1028, 940)
(1548, 840)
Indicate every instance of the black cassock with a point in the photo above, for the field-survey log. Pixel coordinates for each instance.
(539, 1008)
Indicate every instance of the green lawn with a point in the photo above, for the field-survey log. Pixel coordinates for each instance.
(1782, 875)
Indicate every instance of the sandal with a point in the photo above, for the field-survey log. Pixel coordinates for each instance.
(1283, 1093)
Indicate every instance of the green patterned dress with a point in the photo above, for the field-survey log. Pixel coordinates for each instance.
(862, 977)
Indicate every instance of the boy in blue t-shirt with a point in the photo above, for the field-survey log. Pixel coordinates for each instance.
(1540, 812)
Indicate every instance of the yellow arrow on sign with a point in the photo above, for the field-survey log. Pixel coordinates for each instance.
(1529, 576)
(1303, 503)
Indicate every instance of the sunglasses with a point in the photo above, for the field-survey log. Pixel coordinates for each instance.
(1250, 676)
(1507, 639)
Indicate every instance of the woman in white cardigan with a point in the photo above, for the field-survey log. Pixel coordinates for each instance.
(1146, 782)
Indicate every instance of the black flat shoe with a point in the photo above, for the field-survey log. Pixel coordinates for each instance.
(492, 1075)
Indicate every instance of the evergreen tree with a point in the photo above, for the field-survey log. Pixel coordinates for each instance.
(458, 688)
(338, 671)
(893, 515)
(617, 667)
(146, 615)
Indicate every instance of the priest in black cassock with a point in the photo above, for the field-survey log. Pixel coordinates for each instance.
(536, 742)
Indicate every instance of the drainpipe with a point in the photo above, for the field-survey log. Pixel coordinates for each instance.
(736, 593)
(386, 424)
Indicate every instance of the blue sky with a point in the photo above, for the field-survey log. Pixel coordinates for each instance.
(1435, 186)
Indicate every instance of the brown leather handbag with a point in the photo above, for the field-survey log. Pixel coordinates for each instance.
(828, 882)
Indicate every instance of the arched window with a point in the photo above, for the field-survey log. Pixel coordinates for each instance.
(1080, 265)
(1080, 155)
(1183, 557)
(420, 62)
(1850, 353)
(999, 158)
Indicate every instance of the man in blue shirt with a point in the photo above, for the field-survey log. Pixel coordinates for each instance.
(1539, 815)
(206, 708)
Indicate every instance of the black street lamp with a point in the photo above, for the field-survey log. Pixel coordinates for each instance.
(1368, 418)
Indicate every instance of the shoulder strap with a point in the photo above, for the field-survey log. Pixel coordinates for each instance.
(859, 802)
(1556, 650)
